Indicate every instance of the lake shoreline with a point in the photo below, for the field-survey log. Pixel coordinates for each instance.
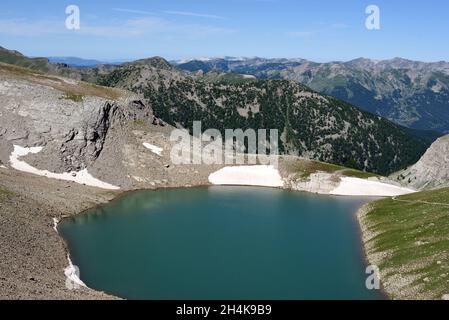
(354, 214)
(60, 200)
(366, 237)
(362, 238)
(34, 256)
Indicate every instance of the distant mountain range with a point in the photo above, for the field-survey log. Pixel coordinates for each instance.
(310, 124)
(75, 62)
(82, 63)
(411, 93)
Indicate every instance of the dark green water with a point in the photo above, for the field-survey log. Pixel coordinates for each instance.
(222, 243)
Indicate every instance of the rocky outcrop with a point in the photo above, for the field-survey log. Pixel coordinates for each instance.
(71, 128)
(82, 144)
(431, 171)
(319, 182)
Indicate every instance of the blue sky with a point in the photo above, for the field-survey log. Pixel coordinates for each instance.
(319, 30)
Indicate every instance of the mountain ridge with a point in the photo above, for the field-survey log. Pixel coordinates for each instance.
(411, 93)
(310, 124)
(300, 114)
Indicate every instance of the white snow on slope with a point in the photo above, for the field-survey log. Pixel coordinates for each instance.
(268, 176)
(260, 175)
(153, 148)
(81, 177)
(361, 187)
(55, 224)
(72, 274)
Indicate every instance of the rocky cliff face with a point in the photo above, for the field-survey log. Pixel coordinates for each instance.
(82, 145)
(431, 171)
(72, 128)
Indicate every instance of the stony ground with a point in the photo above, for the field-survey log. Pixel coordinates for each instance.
(33, 255)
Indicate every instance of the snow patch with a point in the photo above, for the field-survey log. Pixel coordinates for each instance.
(259, 175)
(55, 224)
(3, 167)
(153, 148)
(72, 273)
(360, 187)
(81, 177)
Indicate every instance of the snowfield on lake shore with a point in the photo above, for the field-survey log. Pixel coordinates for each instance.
(361, 187)
(258, 175)
(268, 176)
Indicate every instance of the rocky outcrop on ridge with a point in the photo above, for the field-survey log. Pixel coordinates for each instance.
(431, 171)
(70, 125)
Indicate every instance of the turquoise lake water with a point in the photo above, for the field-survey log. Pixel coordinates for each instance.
(222, 243)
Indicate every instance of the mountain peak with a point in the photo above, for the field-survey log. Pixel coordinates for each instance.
(156, 62)
(361, 62)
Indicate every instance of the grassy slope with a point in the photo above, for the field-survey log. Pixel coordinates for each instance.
(37, 64)
(411, 234)
(74, 90)
(304, 168)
